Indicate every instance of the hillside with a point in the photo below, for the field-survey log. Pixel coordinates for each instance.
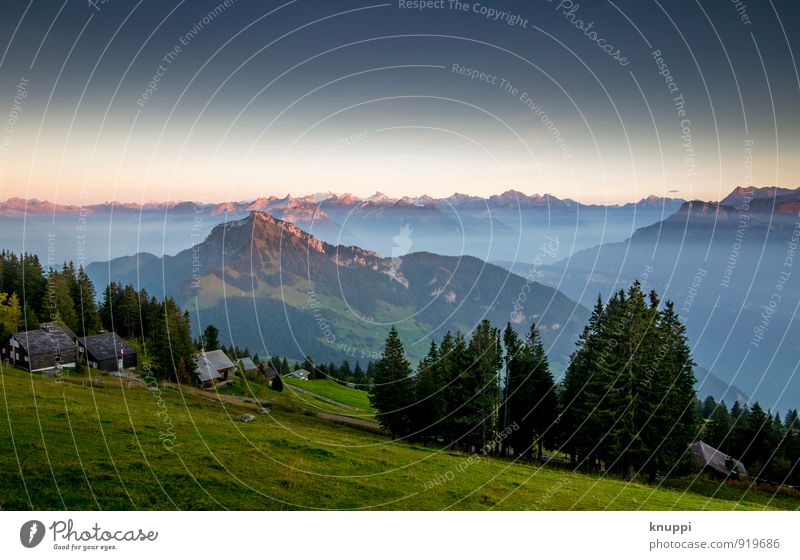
(69, 446)
(276, 289)
(726, 269)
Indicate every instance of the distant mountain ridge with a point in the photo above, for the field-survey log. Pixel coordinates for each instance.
(509, 198)
(275, 288)
(499, 227)
(728, 267)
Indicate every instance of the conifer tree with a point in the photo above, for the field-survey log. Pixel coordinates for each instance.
(428, 410)
(718, 427)
(532, 398)
(676, 419)
(210, 338)
(343, 372)
(393, 393)
(60, 304)
(452, 352)
(629, 399)
(576, 402)
(359, 375)
(740, 430)
(512, 347)
(545, 399)
(173, 348)
(480, 388)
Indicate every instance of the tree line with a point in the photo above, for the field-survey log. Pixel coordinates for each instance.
(343, 373)
(31, 296)
(626, 403)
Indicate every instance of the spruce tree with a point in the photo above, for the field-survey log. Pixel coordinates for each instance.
(576, 401)
(740, 430)
(480, 385)
(718, 427)
(428, 409)
(545, 404)
(454, 360)
(210, 338)
(791, 426)
(677, 416)
(532, 398)
(393, 393)
(308, 365)
(173, 348)
(83, 296)
(629, 399)
(608, 387)
(512, 347)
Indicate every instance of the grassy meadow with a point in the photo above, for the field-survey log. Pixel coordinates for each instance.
(81, 443)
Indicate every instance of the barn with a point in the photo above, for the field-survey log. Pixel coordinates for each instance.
(48, 348)
(212, 367)
(247, 364)
(713, 460)
(301, 374)
(107, 351)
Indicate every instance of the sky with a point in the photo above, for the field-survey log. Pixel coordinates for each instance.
(602, 102)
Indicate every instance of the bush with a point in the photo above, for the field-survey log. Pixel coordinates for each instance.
(277, 384)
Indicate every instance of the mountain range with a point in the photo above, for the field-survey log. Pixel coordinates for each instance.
(728, 267)
(270, 286)
(499, 228)
(426, 261)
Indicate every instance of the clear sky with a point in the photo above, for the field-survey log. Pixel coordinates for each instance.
(215, 100)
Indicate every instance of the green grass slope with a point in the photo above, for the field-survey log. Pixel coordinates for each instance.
(356, 399)
(77, 445)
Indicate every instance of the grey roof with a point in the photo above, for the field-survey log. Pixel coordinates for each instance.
(106, 345)
(270, 372)
(210, 364)
(44, 340)
(707, 456)
(247, 364)
(298, 373)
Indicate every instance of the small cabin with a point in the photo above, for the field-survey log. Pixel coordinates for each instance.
(107, 351)
(299, 374)
(713, 460)
(247, 364)
(213, 367)
(48, 348)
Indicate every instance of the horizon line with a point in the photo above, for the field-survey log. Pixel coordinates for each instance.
(376, 195)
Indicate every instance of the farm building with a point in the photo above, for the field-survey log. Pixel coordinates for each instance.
(212, 367)
(50, 347)
(710, 459)
(270, 374)
(247, 364)
(299, 374)
(107, 351)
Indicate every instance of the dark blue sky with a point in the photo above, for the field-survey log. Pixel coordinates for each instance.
(269, 98)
